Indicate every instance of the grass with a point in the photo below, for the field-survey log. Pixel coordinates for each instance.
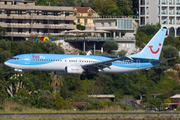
(120, 117)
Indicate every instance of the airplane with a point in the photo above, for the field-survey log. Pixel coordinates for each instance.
(63, 64)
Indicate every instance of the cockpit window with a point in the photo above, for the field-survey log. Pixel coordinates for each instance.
(15, 58)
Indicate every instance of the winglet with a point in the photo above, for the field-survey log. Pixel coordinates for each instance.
(129, 51)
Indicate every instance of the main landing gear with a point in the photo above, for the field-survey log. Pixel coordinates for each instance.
(88, 76)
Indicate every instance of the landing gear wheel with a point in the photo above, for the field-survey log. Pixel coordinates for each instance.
(21, 74)
(90, 76)
(82, 77)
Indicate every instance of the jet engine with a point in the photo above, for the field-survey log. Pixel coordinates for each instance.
(74, 70)
(69, 70)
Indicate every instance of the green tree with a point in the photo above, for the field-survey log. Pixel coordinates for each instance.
(170, 52)
(46, 2)
(145, 33)
(170, 40)
(122, 53)
(110, 45)
(97, 6)
(2, 32)
(108, 5)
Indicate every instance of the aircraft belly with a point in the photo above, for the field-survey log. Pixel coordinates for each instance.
(45, 67)
(117, 69)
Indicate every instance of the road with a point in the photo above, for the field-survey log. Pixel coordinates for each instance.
(90, 114)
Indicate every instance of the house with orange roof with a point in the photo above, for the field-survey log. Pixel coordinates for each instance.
(85, 16)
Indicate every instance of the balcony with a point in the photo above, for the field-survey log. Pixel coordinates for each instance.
(37, 17)
(98, 38)
(38, 26)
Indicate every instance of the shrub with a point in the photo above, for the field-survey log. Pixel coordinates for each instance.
(81, 107)
(59, 103)
(178, 109)
(16, 109)
(2, 107)
(46, 101)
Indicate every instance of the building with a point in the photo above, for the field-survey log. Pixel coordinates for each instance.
(25, 19)
(165, 12)
(122, 30)
(85, 16)
(109, 98)
(175, 101)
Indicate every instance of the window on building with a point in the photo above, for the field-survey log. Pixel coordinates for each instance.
(56, 31)
(16, 3)
(0, 20)
(20, 30)
(8, 29)
(109, 24)
(78, 21)
(45, 31)
(0, 11)
(5, 2)
(8, 21)
(19, 12)
(37, 30)
(85, 21)
(66, 22)
(37, 12)
(25, 2)
(79, 14)
(67, 14)
(55, 22)
(55, 13)
(44, 21)
(30, 30)
(29, 12)
(94, 21)
(19, 21)
(37, 21)
(102, 24)
(8, 13)
(89, 10)
(44, 12)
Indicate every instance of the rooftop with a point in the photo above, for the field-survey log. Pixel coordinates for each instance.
(101, 96)
(84, 10)
(176, 96)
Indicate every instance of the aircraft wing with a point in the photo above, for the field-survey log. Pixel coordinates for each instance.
(94, 67)
(162, 59)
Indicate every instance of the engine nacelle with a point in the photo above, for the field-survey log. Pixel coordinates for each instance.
(60, 73)
(74, 70)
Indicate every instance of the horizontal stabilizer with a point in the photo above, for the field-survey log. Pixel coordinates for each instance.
(162, 60)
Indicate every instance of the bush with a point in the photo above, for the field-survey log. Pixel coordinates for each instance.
(59, 102)
(2, 107)
(81, 107)
(16, 109)
(46, 101)
(178, 109)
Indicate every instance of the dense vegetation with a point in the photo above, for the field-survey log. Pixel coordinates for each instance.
(46, 90)
(102, 7)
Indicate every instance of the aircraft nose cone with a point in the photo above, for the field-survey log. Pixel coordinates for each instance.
(6, 63)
